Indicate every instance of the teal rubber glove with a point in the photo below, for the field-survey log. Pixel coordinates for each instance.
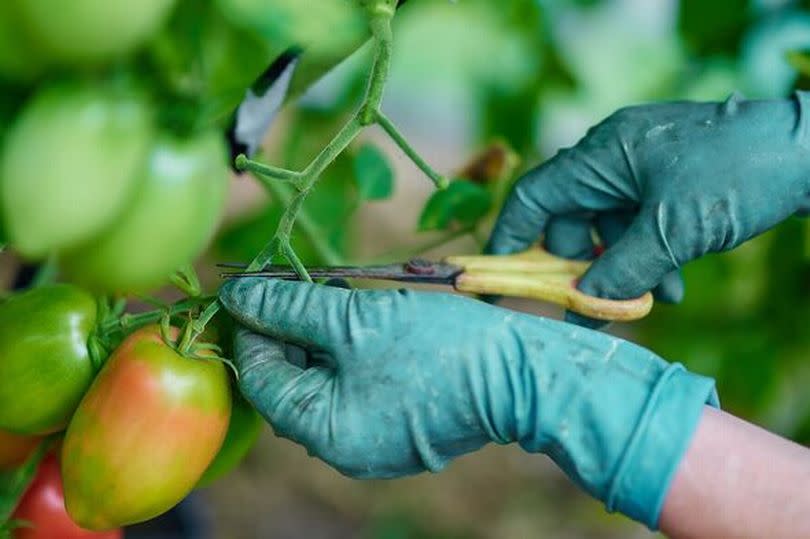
(663, 185)
(402, 382)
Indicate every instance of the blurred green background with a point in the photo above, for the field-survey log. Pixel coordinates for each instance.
(536, 74)
(484, 90)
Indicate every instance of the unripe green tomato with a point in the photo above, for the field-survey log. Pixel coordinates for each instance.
(243, 433)
(90, 32)
(19, 59)
(337, 23)
(45, 366)
(69, 165)
(144, 434)
(170, 218)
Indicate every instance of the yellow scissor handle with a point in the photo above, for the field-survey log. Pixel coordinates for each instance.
(537, 274)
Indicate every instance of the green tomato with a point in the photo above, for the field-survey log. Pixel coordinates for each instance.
(45, 366)
(69, 165)
(88, 32)
(19, 59)
(292, 21)
(170, 219)
(144, 433)
(243, 433)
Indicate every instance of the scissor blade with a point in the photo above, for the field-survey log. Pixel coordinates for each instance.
(436, 273)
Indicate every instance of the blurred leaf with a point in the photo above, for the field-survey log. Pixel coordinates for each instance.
(714, 27)
(323, 25)
(240, 241)
(13, 483)
(463, 202)
(204, 63)
(511, 114)
(328, 209)
(375, 179)
(800, 61)
(496, 162)
(329, 30)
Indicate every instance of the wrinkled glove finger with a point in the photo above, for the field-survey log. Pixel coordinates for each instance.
(566, 184)
(611, 226)
(306, 314)
(570, 236)
(638, 262)
(293, 400)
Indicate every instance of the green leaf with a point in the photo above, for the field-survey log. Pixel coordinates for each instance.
(714, 27)
(374, 176)
(463, 202)
(13, 483)
(800, 61)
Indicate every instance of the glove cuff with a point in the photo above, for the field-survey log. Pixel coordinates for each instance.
(662, 436)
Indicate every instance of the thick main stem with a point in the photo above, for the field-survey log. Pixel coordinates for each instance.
(381, 13)
(381, 29)
(304, 222)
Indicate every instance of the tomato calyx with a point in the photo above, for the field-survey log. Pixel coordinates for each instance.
(186, 343)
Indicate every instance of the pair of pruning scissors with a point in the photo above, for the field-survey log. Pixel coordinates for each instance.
(533, 274)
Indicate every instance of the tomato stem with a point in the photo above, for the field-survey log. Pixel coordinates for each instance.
(186, 338)
(304, 222)
(391, 130)
(46, 273)
(187, 281)
(380, 13)
(129, 322)
(380, 24)
(244, 164)
(208, 313)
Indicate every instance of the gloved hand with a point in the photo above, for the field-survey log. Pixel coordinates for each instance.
(403, 381)
(664, 185)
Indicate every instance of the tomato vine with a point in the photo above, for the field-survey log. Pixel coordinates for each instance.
(380, 13)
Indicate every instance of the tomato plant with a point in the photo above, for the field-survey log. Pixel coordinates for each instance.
(70, 163)
(42, 514)
(14, 448)
(91, 31)
(144, 433)
(113, 176)
(45, 365)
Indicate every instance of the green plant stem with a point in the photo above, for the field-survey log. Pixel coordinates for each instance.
(380, 14)
(388, 126)
(208, 313)
(304, 222)
(46, 273)
(309, 177)
(187, 281)
(381, 29)
(135, 321)
(260, 169)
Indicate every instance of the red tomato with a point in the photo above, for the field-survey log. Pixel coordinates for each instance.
(145, 432)
(14, 448)
(43, 506)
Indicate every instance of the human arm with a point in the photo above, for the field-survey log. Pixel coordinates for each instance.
(738, 481)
